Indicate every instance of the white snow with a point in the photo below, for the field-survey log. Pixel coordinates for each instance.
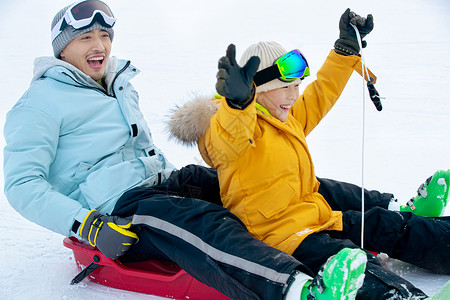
(441, 181)
(177, 44)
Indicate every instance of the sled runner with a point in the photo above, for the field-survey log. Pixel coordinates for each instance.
(155, 277)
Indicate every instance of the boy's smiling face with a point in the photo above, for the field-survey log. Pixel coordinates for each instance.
(279, 101)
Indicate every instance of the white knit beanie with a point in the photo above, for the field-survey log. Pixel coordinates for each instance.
(69, 33)
(268, 52)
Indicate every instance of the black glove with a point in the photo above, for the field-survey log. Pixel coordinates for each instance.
(109, 234)
(347, 44)
(236, 83)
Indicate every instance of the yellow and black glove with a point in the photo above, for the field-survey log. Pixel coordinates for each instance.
(110, 234)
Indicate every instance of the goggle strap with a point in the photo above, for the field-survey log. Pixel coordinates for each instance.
(266, 75)
(97, 15)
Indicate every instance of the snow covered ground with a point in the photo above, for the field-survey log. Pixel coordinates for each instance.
(176, 44)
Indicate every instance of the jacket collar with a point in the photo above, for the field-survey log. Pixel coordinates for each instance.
(49, 66)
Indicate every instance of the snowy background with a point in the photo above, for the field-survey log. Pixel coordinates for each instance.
(176, 44)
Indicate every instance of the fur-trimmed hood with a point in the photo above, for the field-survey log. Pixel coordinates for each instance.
(186, 123)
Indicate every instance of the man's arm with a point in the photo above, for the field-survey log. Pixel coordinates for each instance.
(31, 142)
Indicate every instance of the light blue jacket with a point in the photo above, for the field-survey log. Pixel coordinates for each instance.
(72, 146)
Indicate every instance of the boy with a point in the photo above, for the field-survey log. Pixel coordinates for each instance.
(256, 142)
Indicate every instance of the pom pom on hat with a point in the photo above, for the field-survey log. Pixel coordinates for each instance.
(268, 52)
(69, 33)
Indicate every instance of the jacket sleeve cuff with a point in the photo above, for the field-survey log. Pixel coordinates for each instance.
(354, 61)
(243, 104)
(78, 220)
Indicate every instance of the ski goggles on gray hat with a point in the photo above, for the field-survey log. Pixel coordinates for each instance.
(82, 15)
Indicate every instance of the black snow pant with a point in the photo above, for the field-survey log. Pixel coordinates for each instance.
(345, 196)
(204, 239)
(421, 241)
(424, 242)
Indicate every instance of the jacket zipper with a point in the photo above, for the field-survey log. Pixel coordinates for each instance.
(100, 90)
(117, 75)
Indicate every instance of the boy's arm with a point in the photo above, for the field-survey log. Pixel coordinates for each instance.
(319, 96)
(231, 132)
(231, 129)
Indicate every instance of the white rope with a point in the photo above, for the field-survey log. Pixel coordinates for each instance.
(364, 72)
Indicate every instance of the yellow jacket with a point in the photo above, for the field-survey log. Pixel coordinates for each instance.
(265, 170)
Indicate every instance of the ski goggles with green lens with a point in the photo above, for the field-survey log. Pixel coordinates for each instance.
(289, 67)
(83, 14)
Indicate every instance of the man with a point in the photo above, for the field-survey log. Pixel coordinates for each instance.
(80, 160)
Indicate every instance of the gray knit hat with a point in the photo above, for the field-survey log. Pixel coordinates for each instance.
(69, 33)
(268, 52)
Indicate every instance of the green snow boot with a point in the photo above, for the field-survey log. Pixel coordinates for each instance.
(432, 196)
(340, 277)
(443, 294)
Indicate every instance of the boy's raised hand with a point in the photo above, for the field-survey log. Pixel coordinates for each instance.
(235, 83)
(347, 44)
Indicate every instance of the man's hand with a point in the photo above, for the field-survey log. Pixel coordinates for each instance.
(236, 83)
(347, 44)
(110, 234)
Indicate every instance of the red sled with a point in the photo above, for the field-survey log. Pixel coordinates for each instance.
(154, 277)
